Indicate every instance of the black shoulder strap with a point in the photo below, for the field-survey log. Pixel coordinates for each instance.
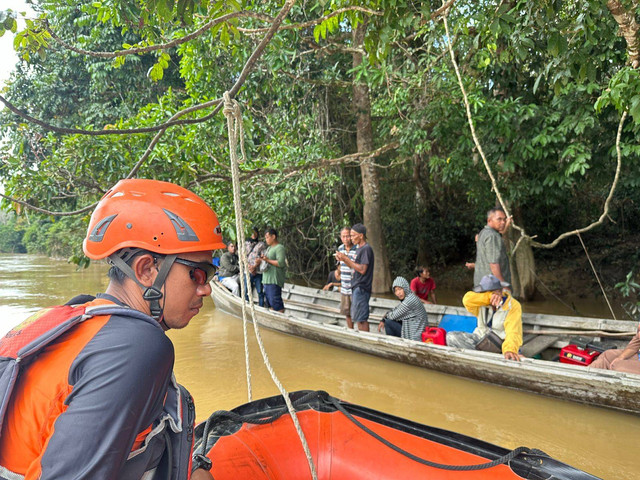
(81, 299)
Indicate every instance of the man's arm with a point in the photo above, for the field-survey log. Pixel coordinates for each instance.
(279, 260)
(361, 268)
(495, 270)
(630, 350)
(473, 301)
(119, 381)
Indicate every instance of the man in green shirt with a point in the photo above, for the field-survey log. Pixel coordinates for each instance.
(274, 275)
(491, 256)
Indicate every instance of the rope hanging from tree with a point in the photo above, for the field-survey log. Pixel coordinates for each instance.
(233, 115)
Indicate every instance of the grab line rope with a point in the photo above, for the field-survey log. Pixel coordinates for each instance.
(261, 419)
(234, 127)
(482, 466)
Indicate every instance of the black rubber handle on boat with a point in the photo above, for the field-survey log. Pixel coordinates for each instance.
(256, 420)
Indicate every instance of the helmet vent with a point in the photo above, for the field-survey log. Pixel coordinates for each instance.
(184, 232)
(171, 194)
(97, 234)
(117, 194)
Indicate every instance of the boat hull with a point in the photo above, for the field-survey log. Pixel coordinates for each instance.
(604, 388)
(348, 441)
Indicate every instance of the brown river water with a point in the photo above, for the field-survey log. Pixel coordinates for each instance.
(210, 362)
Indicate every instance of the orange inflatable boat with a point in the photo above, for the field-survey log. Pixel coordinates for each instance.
(258, 441)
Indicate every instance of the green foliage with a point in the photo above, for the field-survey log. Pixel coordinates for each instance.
(623, 93)
(11, 233)
(35, 237)
(59, 238)
(630, 288)
(64, 237)
(8, 22)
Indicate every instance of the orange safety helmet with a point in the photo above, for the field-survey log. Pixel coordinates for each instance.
(156, 216)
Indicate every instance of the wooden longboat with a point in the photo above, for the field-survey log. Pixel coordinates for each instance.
(314, 314)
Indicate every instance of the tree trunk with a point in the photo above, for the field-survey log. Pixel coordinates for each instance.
(523, 266)
(422, 257)
(370, 182)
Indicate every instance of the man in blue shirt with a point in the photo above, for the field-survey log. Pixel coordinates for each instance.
(362, 277)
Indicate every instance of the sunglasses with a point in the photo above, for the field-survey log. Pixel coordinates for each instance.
(201, 272)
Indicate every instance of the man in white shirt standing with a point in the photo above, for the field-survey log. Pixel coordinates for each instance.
(349, 249)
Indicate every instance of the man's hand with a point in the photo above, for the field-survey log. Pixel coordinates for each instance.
(508, 222)
(470, 265)
(512, 356)
(496, 298)
(339, 256)
(327, 286)
(201, 474)
(381, 326)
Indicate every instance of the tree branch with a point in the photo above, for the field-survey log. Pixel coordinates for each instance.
(162, 46)
(316, 21)
(48, 212)
(629, 28)
(607, 202)
(128, 131)
(323, 83)
(355, 158)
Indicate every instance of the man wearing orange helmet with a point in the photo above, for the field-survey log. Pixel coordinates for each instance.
(87, 388)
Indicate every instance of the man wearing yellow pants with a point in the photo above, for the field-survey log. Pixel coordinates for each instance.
(499, 318)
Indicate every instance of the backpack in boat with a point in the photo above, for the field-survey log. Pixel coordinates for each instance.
(491, 342)
(23, 343)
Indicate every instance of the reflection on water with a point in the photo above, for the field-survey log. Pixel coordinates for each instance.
(210, 363)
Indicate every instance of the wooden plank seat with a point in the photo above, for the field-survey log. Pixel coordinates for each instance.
(534, 344)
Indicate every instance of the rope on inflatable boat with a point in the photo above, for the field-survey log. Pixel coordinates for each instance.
(234, 127)
(260, 419)
(498, 461)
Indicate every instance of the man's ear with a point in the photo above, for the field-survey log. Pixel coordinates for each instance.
(145, 268)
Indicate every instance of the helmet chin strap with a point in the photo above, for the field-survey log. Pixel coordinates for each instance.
(152, 294)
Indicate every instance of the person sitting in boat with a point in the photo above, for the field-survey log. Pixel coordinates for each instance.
(229, 273)
(424, 285)
(499, 319)
(333, 280)
(407, 320)
(626, 360)
(95, 396)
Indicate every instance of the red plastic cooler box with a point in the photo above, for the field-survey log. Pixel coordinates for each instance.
(575, 355)
(435, 335)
